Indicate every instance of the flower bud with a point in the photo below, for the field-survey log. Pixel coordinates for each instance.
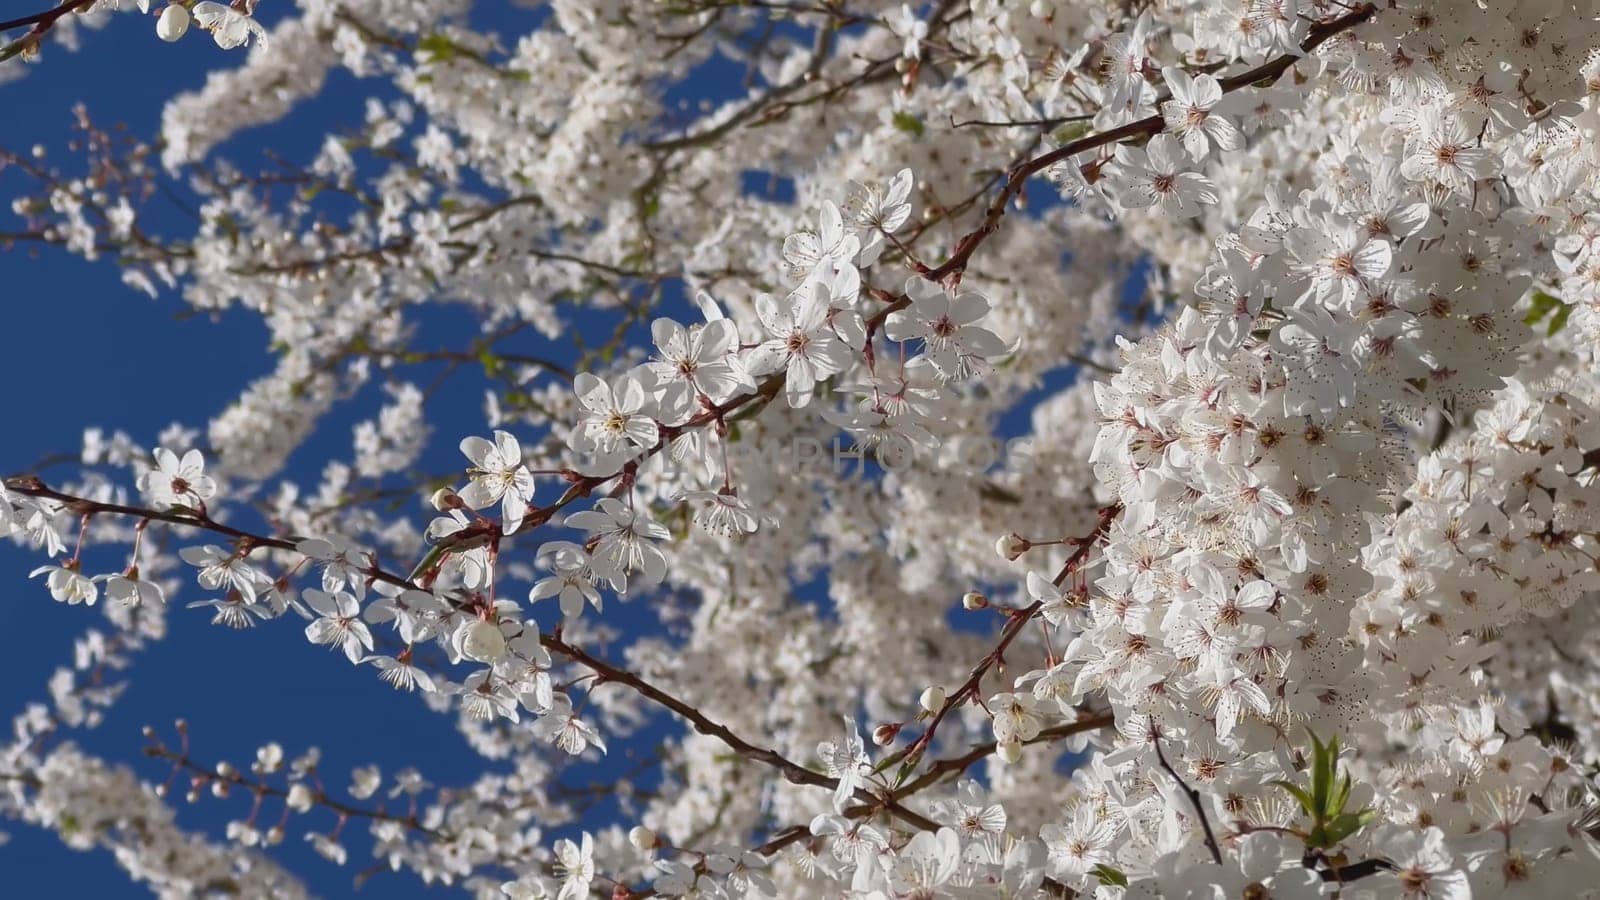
(884, 735)
(444, 500)
(1009, 751)
(173, 23)
(483, 642)
(219, 789)
(299, 798)
(225, 769)
(932, 699)
(974, 600)
(1012, 546)
(643, 839)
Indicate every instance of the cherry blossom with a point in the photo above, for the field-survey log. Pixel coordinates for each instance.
(229, 27)
(499, 476)
(1159, 174)
(339, 623)
(844, 760)
(801, 345)
(613, 415)
(1192, 113)
(177, 482)
(947, 327)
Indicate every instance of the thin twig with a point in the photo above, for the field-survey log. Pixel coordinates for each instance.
(1194, 798)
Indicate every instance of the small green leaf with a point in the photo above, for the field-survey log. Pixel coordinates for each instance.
(1071, 131)
(1559, 320)
(906, 769)
(1539, 306)
(437, 48)
(1324, 758)
(1109, 876)
(1344, 825)
(908, 123)
(1299, 793)
(1340, 797)
(491, 364)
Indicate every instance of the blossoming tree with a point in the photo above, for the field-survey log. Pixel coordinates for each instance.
(1285, 586)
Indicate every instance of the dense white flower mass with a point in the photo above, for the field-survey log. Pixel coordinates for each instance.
(1054, 449)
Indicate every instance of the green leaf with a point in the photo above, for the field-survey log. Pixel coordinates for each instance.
(1109, 876)
(437, 48)
(1071, 131)
(1324, 758)
(1343, 826)
(1559, 320)
(491, 364)
(907, 768)
(1340, 797)
(1539, 306)
(908, 123)
(1299, 793)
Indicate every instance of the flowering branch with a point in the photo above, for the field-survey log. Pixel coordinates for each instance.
(1267, 72)
(28, 45)
(1194, 800)
(296, 794)
(1019, 620)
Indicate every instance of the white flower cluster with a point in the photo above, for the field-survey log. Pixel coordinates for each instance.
(1295, 590)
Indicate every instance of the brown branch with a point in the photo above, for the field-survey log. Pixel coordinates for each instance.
(43, 21)
(1194, 799)
(319, 797)
(1019, 621)
(954, 765)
